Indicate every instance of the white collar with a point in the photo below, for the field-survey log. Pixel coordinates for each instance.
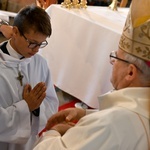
(12, 52)
(136, 99)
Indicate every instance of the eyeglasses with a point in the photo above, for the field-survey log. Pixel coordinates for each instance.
(33, 45)
(113, 57)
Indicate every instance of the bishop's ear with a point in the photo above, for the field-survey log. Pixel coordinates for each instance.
(131, 72)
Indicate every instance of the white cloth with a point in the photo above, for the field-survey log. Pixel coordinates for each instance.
(16, 126)
(116, 127)
(80, 47)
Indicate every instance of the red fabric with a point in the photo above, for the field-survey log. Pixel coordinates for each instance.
(148, 63)
(44, 130)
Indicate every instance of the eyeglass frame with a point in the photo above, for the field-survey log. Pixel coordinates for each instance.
(111, 56)
(36, 44)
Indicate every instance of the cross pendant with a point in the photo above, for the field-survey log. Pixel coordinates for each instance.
(20, 77)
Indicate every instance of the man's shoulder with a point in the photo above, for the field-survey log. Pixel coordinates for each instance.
(112, 115)
(39, 57)
(39, 60)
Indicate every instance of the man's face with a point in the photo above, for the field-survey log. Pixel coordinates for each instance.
(119, 71)
(28, 44)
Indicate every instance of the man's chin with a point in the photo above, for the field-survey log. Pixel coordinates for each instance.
(113, 84)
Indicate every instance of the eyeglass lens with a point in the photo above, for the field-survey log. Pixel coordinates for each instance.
(34, 45)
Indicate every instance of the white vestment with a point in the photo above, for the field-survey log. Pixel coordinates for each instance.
(18, 126)
(121, 124)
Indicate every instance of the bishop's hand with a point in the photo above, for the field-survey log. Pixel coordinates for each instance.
(63, 127)
(35, 96)
(65, 116)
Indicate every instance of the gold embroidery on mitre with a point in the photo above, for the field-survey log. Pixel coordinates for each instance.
(136, 40)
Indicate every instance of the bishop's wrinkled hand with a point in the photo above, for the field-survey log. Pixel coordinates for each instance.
(63, 127)
(65, 116)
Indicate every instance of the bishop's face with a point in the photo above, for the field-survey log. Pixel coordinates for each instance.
(119, 71)
(28, 44)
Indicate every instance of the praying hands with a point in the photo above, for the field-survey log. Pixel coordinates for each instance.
(35, 96)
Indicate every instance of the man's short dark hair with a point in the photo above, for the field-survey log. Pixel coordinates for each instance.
(33, 18)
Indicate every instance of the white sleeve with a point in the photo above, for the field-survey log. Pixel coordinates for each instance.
(90, 111)
(50, 139)
(90, 133)
(51, 100)
(15, 123)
